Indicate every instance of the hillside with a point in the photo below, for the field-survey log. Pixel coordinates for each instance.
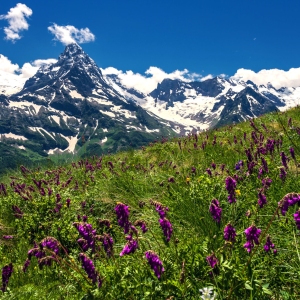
(215, 211)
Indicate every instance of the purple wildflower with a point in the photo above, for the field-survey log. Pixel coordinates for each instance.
(107, 242)
(88, 235)
(155, 263)
(287, 201)
(208, 170)
(268, 245)
(215, 210)
(7, 237)
(266, 182)
(292, 152)
(166, 227)
(265, 165)
(282, 174)
(26, 265)
(50, 243)
(141, 224)
(212, 260)
(88, 266)
(17, 212)
(252, 235)
(297, 218)
(239, 165)
(230, 184)
(262, 200)
(131, 245)
(284, 160)
(6, 273)
(229, 233)
(122, 212)
(68, 201)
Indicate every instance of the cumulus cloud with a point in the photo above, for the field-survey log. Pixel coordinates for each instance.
(278, 78)
(148, 82)
(29, 69)
(70, 34)
(16, 18)
(14, 76)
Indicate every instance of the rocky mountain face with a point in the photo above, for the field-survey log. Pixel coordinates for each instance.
(70, 103)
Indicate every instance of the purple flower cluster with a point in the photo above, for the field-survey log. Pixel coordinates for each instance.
(88, 235)
(155, 263)
(230, 187)
(89, 268)
(122, 212)
(297, 218)
(6, 273)
(262, 200)
(252, 236)
(51, 244)
(215, 210)
(141, 224)
(239, 165)
(269, 245)
(284, 160)
(131, 245)
(229, 233)
(212, 260)
(166, 227)
(107, 242)
(288, 200)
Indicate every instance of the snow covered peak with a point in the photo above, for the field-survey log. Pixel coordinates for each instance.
(72, 50)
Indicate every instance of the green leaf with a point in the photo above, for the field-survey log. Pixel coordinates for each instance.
(248, 286)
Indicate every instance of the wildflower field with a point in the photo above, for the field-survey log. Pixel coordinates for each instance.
(213, 215)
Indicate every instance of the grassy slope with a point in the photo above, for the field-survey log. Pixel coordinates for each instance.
(175, 174)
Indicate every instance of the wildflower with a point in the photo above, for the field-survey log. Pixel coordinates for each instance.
(287, 201)
(284, 160)
(107, 242)
(88, 266)
(212, 260)
(230, 184)
(131, 245)
(6, 273)
(207, 293)
(188, 179)
(208, 170)
(68, 201)
(88, 235)
(266, 182)
(155, 263)
(297, 218)
(7, 237)
(238, 192)
(252, 235)
(142, 224)
(262, 199)
(282, 174)
(265, 165)
(239, 165)
(213, 165)
(215, 210)
(166, 227)
(104, 222)
(26, 265)
(268, 245)
(229, 233)
(292, 152)
(50, 243)
(122, 212)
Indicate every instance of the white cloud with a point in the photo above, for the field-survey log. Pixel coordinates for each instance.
(209, 76)
(29, 69)
(70, 34)
(17, 22)
(278, 78)
(11, 75)
(147, 83)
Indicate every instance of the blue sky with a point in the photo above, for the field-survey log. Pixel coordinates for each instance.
(205, 37)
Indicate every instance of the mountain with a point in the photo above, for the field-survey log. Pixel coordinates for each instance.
(70, 103)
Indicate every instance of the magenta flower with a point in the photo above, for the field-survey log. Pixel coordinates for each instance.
(212, 260)
(282, 174)
(155, 263)
(131, 245)
(268, 245)
(88, 266)
(122, 212)
(292, 152)
(26, 265)
(297, 218)
(252, 236)
(284, 160)
(141, 224)
(166, 227)
(6, 273)
(215, 210)
(229, 233)
(262, 200)
(107, 242)
(50, 243)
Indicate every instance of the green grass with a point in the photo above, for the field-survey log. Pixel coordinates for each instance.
(173, 173)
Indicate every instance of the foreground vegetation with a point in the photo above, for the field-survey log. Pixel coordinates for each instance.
(208, 216)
